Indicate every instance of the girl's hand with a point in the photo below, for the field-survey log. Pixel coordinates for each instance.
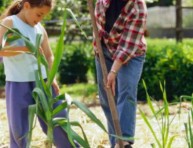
(56, 87)
(111, 81)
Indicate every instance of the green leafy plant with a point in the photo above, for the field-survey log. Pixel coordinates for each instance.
(189, 123)
(75, 57)
(170, 62)
(4, 4)
(161, 115)
(43, 94)
(189, 129)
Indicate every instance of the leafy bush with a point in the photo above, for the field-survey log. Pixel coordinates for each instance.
(3, 5)
(170, 62)
(2, 76)
(75, 64)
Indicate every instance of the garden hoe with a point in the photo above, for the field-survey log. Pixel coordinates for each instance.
(109, 93)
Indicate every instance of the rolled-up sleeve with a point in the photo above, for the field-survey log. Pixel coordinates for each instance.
(133, 33)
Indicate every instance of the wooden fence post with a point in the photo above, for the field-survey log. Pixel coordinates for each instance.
(179, 27)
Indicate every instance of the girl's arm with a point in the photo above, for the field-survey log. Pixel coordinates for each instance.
(6, 22)
(49, 57)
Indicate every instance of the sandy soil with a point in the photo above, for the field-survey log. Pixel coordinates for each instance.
(99, 139)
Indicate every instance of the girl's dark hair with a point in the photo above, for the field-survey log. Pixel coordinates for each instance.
(17, 5)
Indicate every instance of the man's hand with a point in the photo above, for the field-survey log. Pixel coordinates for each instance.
(111, 81)
(111, 78)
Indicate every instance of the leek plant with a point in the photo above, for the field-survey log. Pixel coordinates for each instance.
(43, 94)
(189, 124)
(161, 115)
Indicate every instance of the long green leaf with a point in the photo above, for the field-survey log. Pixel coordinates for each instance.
(190, 122)
(166, 124)
(57, 98)
(171, 141)
(58, 53)
(39, 94)
(28, 43)
(9, 37)
(150, 127)
(82, 107)
(13, 34)
(148, 98)
(77, 23)
(63, 123)
(59, 108)
(31, 114)
(38, 41)
(187, 135)
(76, 136)
(39, 78)
(44, 62)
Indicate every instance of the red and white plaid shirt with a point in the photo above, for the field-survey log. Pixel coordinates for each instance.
(126, 38)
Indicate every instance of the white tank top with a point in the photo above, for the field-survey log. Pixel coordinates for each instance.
(22, 67)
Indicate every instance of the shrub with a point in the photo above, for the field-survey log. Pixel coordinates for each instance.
(2, 75)
(3, 5)
(170, 62)
(75, 64)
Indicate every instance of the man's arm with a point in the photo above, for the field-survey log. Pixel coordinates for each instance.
(133, 33)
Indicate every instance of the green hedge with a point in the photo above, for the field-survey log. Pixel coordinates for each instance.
(75, 64)
(168, 62)
(165, 61)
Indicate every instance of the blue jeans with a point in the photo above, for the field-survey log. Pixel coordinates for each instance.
(126, 94)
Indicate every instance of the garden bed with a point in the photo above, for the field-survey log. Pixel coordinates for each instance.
(99, 139)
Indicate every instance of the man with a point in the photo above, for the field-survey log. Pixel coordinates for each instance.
(121, 25)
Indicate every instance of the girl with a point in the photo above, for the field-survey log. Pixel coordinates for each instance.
(25, 15)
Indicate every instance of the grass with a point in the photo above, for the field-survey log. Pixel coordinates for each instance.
(85, 92)
(189, 124)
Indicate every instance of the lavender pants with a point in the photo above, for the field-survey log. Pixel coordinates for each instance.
(18, 98)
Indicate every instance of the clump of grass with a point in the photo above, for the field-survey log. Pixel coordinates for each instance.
(189, 123)
(162, 136)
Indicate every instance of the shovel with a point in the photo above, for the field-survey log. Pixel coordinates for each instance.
(109, 93)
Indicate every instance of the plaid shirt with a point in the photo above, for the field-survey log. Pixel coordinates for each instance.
(126, 38)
